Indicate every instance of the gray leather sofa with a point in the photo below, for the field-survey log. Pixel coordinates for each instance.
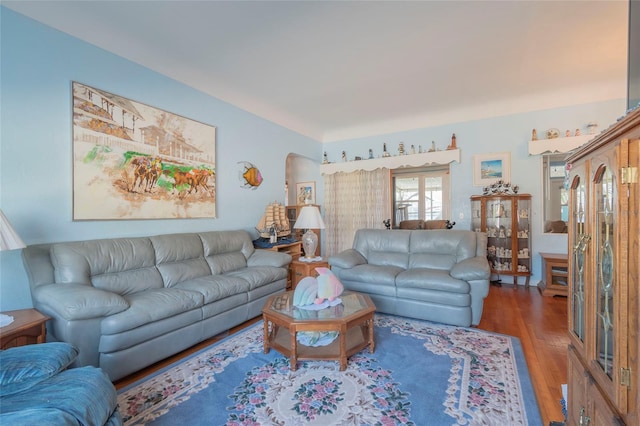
(127, 303)
(436, 275)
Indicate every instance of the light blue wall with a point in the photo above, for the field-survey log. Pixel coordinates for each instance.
(498, 134)
(38, 65)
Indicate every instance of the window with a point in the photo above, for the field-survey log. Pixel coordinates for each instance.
(420, 193)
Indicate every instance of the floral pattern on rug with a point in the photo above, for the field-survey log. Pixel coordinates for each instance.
(317, 393)
(483, 384)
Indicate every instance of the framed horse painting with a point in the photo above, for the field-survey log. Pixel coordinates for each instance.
(134, 161)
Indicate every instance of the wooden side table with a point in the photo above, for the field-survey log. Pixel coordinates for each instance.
(300, 269)
(556, 274)
(28, 327)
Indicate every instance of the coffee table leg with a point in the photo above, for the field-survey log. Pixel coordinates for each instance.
(372, 345)
(343, 348)
(294, 351)
(266, 335)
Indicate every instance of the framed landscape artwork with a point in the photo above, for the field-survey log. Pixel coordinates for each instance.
(134, 161)
(488, 168)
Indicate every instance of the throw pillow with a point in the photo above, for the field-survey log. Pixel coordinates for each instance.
(26, 366)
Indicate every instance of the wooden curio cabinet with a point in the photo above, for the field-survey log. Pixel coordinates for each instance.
(505, 218)
(604, 295)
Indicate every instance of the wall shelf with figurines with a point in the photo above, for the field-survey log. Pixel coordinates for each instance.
(388, 161)
(554, 143)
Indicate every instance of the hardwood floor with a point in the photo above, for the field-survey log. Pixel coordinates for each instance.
(541, 325)
(539, 322)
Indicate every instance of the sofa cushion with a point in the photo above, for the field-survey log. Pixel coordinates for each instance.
(25, 366)
(441, 249)
(381, 247)
(121, 265)
(216, 287)
(431, 279)
(226, 262)
(258, 276)
(78, 301)
(371, 274)
(150, 306)
(78, 396)
(226, 250)
(179, 257)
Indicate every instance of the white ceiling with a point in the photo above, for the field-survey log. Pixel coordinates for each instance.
(346, 69)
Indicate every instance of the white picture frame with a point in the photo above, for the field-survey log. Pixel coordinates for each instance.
(489, 168)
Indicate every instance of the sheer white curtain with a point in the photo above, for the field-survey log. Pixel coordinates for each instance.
(353, 201)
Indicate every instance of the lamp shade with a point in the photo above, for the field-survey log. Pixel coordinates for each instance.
(9, 238)
(309, 218)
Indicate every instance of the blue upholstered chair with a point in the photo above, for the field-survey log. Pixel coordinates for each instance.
(36, 387)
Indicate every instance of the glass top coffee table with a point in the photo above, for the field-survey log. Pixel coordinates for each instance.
(352, 320)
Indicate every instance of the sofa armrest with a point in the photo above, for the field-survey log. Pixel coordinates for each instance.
(474, 268)
(347, 259)
(269, 258)
(78, 301)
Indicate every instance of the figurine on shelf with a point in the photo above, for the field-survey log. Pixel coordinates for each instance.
(370, 154)
(324, 158)
(385, 153)
(534, 135)
(344, 156)
(401, 149)
(567, 133)
(433, 146)
(577, 132)
(387, 224)
(413, 149)
(453, 142)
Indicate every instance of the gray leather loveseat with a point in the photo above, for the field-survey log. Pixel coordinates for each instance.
(437, 275)
(127, 303)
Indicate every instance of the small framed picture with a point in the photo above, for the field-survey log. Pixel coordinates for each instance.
(488, 168)
(305, 193)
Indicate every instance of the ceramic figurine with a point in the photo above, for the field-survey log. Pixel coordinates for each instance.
(453, 142)
(534, 135)
(413, 149)
(370, 154)
(315, 291)
(401, 148)
(344, 156)
(577, 132)
(433, 146)
(385, 153)
(324, 158)
(567, 133)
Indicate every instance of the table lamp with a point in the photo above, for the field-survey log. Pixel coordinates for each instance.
(309, 219)
(9, 238)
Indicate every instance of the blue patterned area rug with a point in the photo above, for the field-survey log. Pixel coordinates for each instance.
(421, 373)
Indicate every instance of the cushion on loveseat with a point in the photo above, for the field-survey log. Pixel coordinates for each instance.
(24, 367)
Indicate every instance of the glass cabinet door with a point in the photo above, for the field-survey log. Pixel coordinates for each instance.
(498, 220)
(523, 255)
(605, 197)
(578, 244)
